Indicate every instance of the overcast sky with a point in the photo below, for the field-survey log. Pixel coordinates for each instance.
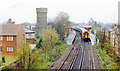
(78, 10)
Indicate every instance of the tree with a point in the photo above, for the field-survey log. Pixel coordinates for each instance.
(61, 21)
(39, 43)
(22, 54)
(28, 56)
(49, 38)
(99, 36)
(103, 40)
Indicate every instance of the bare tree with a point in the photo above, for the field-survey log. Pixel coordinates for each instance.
(61, 21)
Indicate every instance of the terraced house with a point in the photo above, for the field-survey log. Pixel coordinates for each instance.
(12, 37)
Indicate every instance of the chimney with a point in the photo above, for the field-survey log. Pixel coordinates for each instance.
(29, 27)
(9, 21)
(13, 22)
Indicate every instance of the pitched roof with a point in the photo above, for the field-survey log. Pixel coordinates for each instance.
(9, 29)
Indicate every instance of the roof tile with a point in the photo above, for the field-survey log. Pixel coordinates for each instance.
(9, 29)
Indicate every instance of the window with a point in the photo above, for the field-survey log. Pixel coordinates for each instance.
(12, 38)
(1, 48)
(1, 38)
(9, 38)
(9, 49)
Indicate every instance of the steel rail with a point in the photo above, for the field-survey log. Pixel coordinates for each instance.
(81, 59)
(73, 61)
(65, 60)
(67, 56)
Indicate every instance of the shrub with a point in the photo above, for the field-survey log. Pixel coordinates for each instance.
(3, 59)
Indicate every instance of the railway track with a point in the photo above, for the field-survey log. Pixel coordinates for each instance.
(71, 67)
(80, 56)
(79, 59)
(70, 62)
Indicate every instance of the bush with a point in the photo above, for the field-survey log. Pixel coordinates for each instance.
(0, 63)
(3, 59)
(37, 37)
(39, 43)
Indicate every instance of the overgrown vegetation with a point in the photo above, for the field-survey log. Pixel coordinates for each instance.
(51, 47)
(107, 60)
(47, 58)
(6, 60)
(60, 22)
(105, 52)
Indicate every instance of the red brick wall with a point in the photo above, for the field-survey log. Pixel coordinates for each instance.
(6, 44)
(18, 41)
(0, 46)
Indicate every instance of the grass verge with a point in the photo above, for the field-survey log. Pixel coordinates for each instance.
(8, 60)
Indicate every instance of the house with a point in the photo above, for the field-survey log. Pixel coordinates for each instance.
(30, 34)
(9, 21)
(30, 37)
(29, 26)
(12, 37)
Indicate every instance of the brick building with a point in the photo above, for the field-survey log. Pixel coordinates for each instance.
(11, 38)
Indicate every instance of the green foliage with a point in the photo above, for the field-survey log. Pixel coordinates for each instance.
(0, 62)
(37, 37)
(28, 56)
(47, 58)
(39, 43)
(8, 60)
(51, 47)
(3, 59)
(107, 54)
(109, 61)
(49, 39)
(59, 42)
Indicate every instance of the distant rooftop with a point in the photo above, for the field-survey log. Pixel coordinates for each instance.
(27, 30)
